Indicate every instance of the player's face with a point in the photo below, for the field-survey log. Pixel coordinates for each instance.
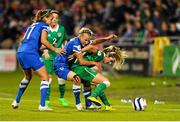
(85, 38)
(48, 19)
(55, 19)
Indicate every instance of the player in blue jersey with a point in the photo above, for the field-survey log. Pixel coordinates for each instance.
(62, 63)
(30, 59)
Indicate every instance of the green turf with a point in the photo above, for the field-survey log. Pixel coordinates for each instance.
(122, 87)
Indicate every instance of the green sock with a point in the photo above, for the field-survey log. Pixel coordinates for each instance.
(48, 93)
(104, 99)
(99, 88)
(62, 90)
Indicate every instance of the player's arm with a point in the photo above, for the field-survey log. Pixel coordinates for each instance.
(90, 48)
(82, 61)
(103, 39)
(45, 42)
(64, 43)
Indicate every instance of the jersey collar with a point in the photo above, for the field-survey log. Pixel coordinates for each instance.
(54, 29)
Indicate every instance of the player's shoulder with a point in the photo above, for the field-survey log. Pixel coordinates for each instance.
(41, 24)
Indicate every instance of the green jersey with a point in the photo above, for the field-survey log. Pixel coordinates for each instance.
(56, 37)
(97, 57)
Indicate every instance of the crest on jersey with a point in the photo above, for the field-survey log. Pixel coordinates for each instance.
(99, 53)
(59, 34)
(49, 35)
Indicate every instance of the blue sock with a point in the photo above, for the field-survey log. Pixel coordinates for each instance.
(76, 91)
(86, 94)
(22, 87)
(43, 89)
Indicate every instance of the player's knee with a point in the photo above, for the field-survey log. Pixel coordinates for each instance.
(61, 81)
(87, 88)
(28, 77)
(107, 83)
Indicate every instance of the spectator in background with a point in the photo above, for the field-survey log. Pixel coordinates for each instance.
(156, 19)
(164, 30)
(140, 32)
(150, 33)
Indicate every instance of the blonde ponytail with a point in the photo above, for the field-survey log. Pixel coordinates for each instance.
(117, 54)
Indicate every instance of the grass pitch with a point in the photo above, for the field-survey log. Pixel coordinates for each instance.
(122, 87)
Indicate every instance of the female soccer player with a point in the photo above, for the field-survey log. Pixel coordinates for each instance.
(57, 37)
(109, 54)
(29, 57)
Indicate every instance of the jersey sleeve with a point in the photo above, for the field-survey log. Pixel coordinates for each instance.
(45, 27)
(77, 48)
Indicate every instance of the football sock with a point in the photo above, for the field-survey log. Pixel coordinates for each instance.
(43, 90)
(99, 88)
(49, 90)
(76, 91)
(62, 88)
(87, 93)
(22, 87)
(104, 99)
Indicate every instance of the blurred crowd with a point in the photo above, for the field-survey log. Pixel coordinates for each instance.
(137, 21)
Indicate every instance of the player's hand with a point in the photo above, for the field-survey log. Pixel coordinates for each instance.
(47, 56)
(111, 37)
(96, 64)
(60, 51)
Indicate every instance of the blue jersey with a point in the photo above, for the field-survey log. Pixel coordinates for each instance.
(73, 46)
(31, 41)
(62, 63)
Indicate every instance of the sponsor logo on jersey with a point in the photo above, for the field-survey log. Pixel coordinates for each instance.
(61, 68)
(41, 59)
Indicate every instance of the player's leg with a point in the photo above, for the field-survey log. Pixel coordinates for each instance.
(49, 91)
(87, 93)
(22, 87)
(49, 67)
(76, 89)
(104, 99)
(102, 83)
(38, 66)
(87, 74)
(42, 73)
(62, 89)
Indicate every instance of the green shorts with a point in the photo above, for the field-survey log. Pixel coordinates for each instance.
(84, 73)
(49, 65)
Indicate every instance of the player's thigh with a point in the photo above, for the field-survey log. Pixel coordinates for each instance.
(49, 66)
(28, 74)
(85, 73)
(62, 71)
(42, 73)
(99, 78)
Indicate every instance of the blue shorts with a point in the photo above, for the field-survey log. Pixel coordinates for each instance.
(61, 70)
(30, 60)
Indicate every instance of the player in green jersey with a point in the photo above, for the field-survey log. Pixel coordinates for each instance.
(87, 75)
(58, 37)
